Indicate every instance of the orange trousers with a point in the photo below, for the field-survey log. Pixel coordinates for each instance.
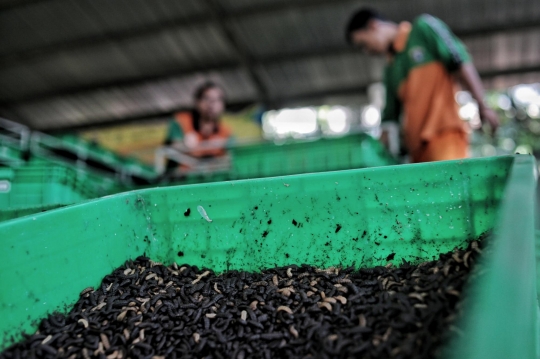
(447, 145)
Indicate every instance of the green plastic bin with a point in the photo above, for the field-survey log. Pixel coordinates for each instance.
(10, 156)
(415, 211)
(326, 154)
(39, 187)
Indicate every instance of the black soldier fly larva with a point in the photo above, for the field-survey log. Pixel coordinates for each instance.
(145, 309)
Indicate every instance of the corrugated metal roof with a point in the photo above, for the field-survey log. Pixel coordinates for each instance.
(170, 50)
(144, 99)
(66, 63)
(512, 80)
(512, 49)
(54, 21)
(293, 31)
(293, 78)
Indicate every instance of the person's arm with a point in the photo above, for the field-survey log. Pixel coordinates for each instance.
(178, 140)
(454, 55)
(225, 142)
(469, 77)
(390, 116)
(213, 143)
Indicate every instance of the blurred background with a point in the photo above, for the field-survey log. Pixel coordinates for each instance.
(93, 83)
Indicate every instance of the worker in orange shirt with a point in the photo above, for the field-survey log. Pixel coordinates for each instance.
(199, 133)
(424, 58)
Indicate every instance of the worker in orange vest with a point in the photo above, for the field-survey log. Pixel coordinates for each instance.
(424, 58)
(200, 133)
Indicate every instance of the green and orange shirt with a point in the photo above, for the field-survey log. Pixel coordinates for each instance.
(419, 81)
(187, 122)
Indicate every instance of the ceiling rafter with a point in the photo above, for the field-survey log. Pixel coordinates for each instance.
(223, 20)
(360, 89)
(219, 15)
(36, 53)
(231, 65)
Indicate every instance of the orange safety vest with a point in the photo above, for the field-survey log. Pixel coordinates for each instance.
(185, 120)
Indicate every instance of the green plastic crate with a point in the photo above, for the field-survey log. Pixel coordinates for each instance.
(124, 165)
(10, 156)
(326, 154)
(33, 186)
(37, 187)
(415, 211)
(72, 151)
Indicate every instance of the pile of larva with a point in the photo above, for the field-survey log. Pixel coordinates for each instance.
(147, 310)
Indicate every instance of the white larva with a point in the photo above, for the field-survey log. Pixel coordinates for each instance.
(202, 212)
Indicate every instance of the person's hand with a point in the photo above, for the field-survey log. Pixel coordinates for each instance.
(207, 128)
(384, 139)
(487, 115)
(178, 145)
(191, 141)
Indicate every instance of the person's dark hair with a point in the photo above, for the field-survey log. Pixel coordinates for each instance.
(360, 20)
(199, 92)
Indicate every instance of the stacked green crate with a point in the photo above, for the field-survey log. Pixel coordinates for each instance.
(124, 166)
(40, 186)
(13, 143)
(48, 182)
(36, 188)
(10, 156)
(85, 156)
(307, 156)
(328, 154)
(138, 169)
